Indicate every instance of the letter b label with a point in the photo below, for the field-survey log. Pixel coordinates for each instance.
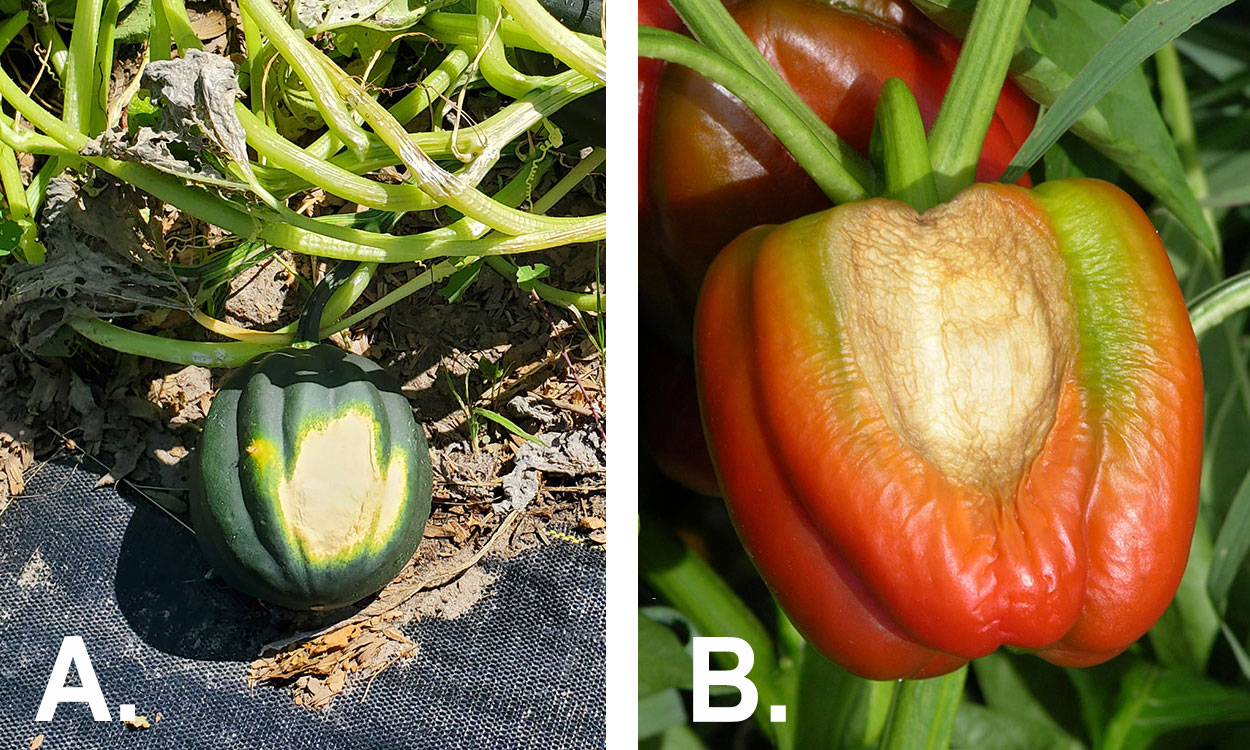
(705, 677)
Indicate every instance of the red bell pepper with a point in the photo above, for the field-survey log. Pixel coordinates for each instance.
(716, 171)
(942, 435)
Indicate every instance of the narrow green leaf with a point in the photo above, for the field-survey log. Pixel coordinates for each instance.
(1231, 546)
(507, 424)
(1153, 701)
(1185, 634)
(1239, 652)
(1076, 58)
(1219, 303)
(1006, 691)
(1128, 48)
(826, 697)
(1126, 9)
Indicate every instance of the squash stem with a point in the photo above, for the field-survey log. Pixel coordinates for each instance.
(308, 331)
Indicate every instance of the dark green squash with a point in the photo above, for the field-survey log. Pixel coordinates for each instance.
(311, 485)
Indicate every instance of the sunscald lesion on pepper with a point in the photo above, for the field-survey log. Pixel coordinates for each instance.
(942, 434)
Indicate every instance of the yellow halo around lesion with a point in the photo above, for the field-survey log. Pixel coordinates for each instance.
(336, 500)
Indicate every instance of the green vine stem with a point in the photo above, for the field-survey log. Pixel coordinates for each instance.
(431, 88)
(175, 13)
(292, 169)
(58, 53)
(80, 65)
(102, 70)
(968, 107)
(306, 61)
(493, 63)
(160, 44)
(832, 177)
(470, 140)
(297, 233)
(202, 353)
(713, 26)
(441, 185)
(461, 28)
(557, 41)
(904, 151)
(19, 211)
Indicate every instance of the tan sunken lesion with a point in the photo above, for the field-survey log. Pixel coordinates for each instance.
(962, 324)
(336, 497)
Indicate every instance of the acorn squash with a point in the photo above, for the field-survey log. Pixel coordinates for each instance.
(311, 485)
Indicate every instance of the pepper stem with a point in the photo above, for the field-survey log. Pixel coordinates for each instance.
(968, 107)
(899, 147)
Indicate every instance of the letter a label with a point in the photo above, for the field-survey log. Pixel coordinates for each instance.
(73, 651)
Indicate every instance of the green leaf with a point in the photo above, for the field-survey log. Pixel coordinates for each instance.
(134, 22)
(825, 697)
(489, 370)
(1153, 701)
(1239, 652)
(679, 737)
(141, 112)
(1124, 8)
(659, 712)
(1006, 691)
(980, 728)
(662, 659)
(1231, 546)
(460, 281)
(1073, 157)
(1083, 61)
(507, 424)
(1096, 689)
(10, 235)
(528, 276)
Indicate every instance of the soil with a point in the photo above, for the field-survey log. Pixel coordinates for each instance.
(495, 492)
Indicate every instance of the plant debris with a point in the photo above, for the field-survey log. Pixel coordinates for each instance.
(97, 264)
(573, 453)
(319, 667)
(197, 93)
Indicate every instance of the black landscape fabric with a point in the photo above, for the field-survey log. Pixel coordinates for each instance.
(524, 668)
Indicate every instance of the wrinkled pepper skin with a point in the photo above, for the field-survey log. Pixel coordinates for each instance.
(932, 448)
(716, 171)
